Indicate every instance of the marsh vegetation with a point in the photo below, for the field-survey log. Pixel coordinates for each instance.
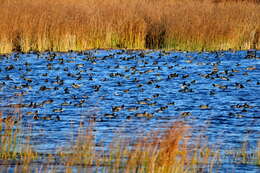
(62, 25)
(169, 151)
(129, 86)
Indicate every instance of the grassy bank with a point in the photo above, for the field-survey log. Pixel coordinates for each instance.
(62, 25)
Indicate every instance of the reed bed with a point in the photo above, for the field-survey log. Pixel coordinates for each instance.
(158, 151)
(63, 25)
(172, 149)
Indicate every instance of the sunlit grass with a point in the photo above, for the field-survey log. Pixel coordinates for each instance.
(246, 155)
(63, 25)
(172, 149)
(159, 151)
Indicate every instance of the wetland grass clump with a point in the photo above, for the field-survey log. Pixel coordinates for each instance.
(64, 25)
(246, 155)
(159, 151)
(172, 149)
(12, 151)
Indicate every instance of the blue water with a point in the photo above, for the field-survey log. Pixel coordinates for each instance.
(86, 85)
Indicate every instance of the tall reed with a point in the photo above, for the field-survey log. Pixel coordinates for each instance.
(159, 151)
(62, 25)
(172, 149)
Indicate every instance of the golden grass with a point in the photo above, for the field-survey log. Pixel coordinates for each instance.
(11, 150)
(62, 25)
(170, 150)
(158, 151)
(246, 155)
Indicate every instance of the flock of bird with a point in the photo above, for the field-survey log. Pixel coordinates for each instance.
(124, 84)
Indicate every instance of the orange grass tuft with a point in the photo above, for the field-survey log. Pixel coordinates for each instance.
(62, 25)
(166, 152)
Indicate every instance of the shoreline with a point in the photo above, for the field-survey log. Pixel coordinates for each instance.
(115, 49)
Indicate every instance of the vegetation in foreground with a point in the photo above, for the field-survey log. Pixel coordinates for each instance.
(63, 25)
(169, 150)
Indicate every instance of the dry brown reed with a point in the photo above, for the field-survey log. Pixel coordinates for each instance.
(172, 149)
(62, 25)
(159, 151)
(12, 152)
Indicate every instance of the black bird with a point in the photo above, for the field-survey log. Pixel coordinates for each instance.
(145, 114)
(8, 78)
(10, 67)
(57, 118)
(185, 114)
(96, 88)
(117, 108)
(66, 90)
(239, 85)
(36, 117)
(44, 88)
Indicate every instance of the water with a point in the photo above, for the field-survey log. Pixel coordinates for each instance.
(80, 86)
